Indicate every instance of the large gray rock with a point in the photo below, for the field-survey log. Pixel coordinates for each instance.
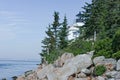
(98, 60)
(117, 76)
(100, 78)
(51, 75)
(91, 53)
(80, 79)
(110, 63)
(111, 79)
(60, 62)
(75, 65)
(45, 72)
(118, 65)
(111, 74)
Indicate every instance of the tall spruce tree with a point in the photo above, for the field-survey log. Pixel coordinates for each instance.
(51, 39)
(48, 42)
(113, 17)
(63, 34)
(103, 17)
(55, 28)
(86, 17)
(95, 21)
(48, 45)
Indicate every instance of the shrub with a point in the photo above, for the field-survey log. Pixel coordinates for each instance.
(52, 56)
(103, 52)
(116, 42)
(79, 47)
(99, 70)
(103, 48)
(116, 55)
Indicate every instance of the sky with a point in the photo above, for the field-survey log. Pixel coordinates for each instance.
(23, 24)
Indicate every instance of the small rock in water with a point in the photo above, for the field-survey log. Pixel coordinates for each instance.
(14, 77)
(28, 73)
(4, 79)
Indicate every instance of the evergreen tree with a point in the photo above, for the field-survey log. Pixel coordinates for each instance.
(63, 34)
(102, 17)
(55, 28)
(48, 42)
(87, 12)
(51, 38)
(48, 45)
(86, 17)
(45, 46)
(113, 17)
(95, 22)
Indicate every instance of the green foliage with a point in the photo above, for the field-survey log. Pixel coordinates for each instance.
(100, 17)
(49, 41)
(103, 48)
(79, 47)
(55, 27)
(50, 58)
(63, 34)
(112, 18)
(55, 40)
(94, 16)
(116, 42)
(116, 55)
(99, 70)
(103, 17)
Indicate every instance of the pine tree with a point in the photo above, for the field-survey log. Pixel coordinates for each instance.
(102, 17)
(86, 16)
(113, 17)
(48, 42)
(45, 46)
(87, 12)
(95, 18)
(63, 34)
(55, 28)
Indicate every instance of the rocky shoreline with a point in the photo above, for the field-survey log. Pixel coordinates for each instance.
(80, 67)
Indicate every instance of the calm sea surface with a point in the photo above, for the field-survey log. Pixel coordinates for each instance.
(10, 68)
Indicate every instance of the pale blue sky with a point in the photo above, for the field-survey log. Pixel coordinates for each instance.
(23, 24)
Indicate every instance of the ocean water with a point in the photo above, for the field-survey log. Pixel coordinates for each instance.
(10, 68)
